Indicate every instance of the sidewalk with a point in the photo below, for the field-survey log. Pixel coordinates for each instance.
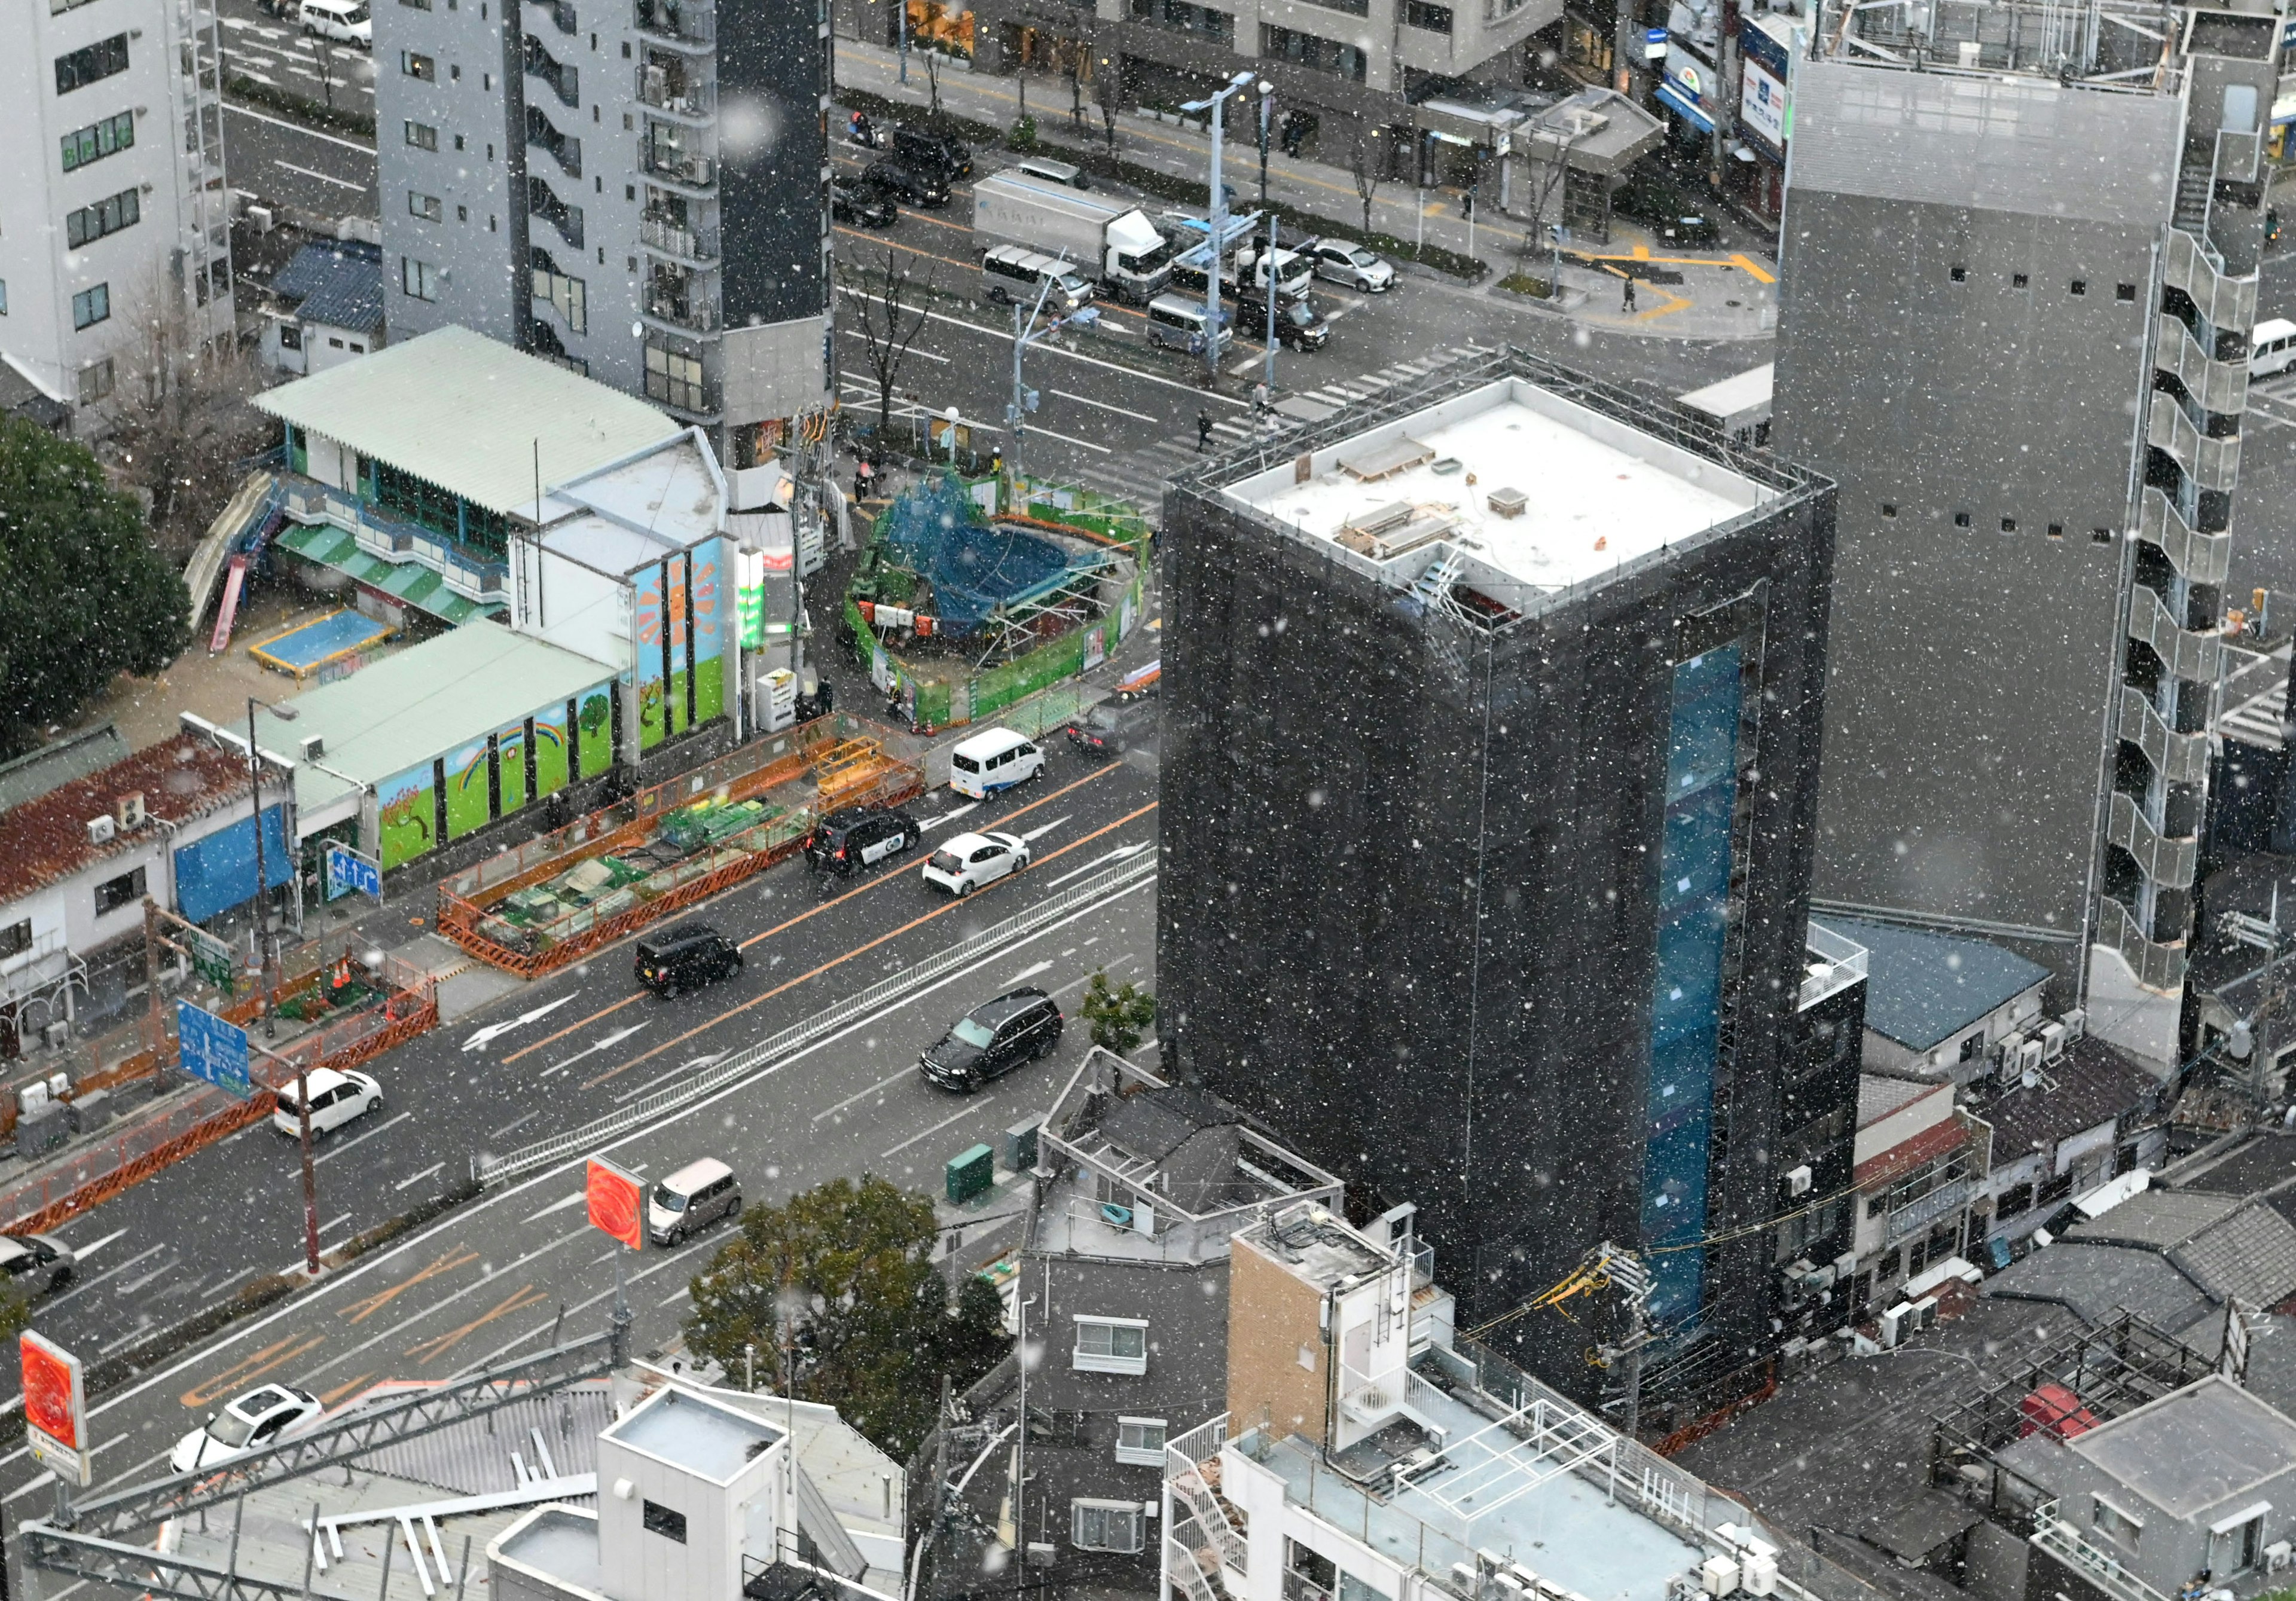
(1726, 294)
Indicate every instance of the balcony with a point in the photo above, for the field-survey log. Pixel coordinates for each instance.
(2217, 386)
(545, 204)
(566, 149)
(2098, 1567)
(693, 247)
(693, 103)
(564, 78)
(470, 575)
(682, 314)
(2163, 860)
(2203, 558)
(693, 177)
(2190, 656)
(2157, 967)
(2226, 300)
(2211, 464)
(691, 27)
(2178, 758)
(1833, 964)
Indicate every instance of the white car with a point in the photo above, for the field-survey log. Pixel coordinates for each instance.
(967, 861)
(345, 21)
(254, 1422)
(1340, 262)
(336, 1099)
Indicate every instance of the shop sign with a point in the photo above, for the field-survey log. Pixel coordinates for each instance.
(1762, 108)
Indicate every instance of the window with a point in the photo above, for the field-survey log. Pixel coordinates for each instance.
(417, 4)
(1104, 1525)
(1889, 509)
(660, 1520)
(1432, 19)
(675, 379)
(461, 214)
(99, 139)
(2014, 1200)
(16, 938)
(1961, 520)
(2124, 291)
(291, 337)
(1960, 275)
(4, 297)
(96, 380)
(92, 63)
(421, 136)
(454, 73)
(2080, 286)
(1140, 1441)
(418, 66)
(2099, 535)
(91, 306)
(1111, 1345)
(2056, 530)
(113, 894)
(565, 295)
(1973, 1046)
(2111, 1520)
(424, 206)
(121, 211)
(2019, 281)
(418, 279)
(458, 142)
(1305, 50)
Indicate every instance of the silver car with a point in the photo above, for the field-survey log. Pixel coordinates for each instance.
(1340, 262)
(34, 1263)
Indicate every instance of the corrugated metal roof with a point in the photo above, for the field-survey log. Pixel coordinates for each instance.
(1923, 989)
(475, 1458)
(351, 298)
(57, 763)
(470, 416)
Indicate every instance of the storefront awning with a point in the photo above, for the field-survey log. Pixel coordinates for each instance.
(1674, 100)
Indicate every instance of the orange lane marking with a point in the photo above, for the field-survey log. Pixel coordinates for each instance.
(328, 1398)
(277, 1354)
(876, 884)
(525, 1295)
(361, 1310)
(856, 951)
(1760, 274)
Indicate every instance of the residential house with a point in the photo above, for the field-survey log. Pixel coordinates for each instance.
(326, 307)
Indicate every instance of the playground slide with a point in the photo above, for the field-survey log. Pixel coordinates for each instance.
(234, 584)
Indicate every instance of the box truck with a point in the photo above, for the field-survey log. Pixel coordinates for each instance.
(1114, 242)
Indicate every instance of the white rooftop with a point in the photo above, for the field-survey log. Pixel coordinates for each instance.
(1597, 491)
(704, 1437)
(633, 512)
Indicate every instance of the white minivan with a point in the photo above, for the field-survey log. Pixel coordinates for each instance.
(345, 21)
(990, 762)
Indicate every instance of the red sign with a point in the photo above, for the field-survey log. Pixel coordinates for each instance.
(617, 1207)
(55, 1407)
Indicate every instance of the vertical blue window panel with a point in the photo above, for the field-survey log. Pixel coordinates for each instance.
(218, 873)
(1686, 1017)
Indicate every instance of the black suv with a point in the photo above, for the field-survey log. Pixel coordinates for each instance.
(861, 837)
(911, 185)
(685, 957)
(853, 200)
(944, 155)
(993, 1040)
(1298, 323)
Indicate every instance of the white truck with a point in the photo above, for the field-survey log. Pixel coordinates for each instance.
(1115, 242)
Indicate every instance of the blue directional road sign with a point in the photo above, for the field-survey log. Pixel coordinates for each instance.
(350, 873)
(212, 1049)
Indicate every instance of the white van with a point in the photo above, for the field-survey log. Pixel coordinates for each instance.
(345, 21)
(1179, 324)
(1047, 170)
(2272, 348)
(1011, 272)
(989, 762)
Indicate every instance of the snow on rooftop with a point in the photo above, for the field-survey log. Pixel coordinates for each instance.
(1595, 491)
(700, 1436)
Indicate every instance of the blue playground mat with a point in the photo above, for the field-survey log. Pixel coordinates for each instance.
(304, 649)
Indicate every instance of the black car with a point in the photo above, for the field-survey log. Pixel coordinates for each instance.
(993, 1040)
(1110, 729)
(1298, 323)
(1669, 213)
(850, 201)
(911, 185)
(861, 837)
(943, 155)
(685, 957)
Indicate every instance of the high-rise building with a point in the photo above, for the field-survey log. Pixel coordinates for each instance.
(1488, 772)
(635, 188)
(116, 253)
(2019, 273)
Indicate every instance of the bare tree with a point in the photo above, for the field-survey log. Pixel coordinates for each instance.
(932, 82)
(184, 416)
(1366, 161)
(887, 311)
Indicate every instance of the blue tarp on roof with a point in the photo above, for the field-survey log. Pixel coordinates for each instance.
(1922, 989)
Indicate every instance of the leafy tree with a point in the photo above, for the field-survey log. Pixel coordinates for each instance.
(837, 1294)
(83, 595)
(16, 1313)
(1119, 1015)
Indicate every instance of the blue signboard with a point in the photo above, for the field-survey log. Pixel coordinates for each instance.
(350, 873)
(216, 872)
(212, 1049)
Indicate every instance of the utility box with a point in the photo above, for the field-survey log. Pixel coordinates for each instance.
(970, 1173)
(1021, 1145)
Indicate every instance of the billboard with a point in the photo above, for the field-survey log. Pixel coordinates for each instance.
(55, 1410)
(617, 1202)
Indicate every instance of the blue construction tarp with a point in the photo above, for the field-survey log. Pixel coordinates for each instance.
(218, 873)
(973, 565)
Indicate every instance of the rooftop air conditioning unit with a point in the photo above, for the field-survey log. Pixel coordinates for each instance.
(128, 809)
(1894, 1324)
(2028, 1056)
(101, 831)
(1718, 1575)
(2054, 1037)
(1759, 1574)
(1798, 1181)
(2007, 1047)
(2276, 1556)
(2076, 1023)
(1508, 503)
(313, 746)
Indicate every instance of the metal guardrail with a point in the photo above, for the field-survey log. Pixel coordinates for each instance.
(742, 1065)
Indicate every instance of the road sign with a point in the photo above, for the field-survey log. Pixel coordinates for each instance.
(1654, 44)
(212, 960)
(617, 1202)
(212, 1049)
(55, 1410)
(350, 873)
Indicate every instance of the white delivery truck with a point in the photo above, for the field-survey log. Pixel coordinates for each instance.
(1115, 242)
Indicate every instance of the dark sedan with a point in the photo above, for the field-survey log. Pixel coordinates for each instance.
(909, 185)
(993, 1040)
(851, 200)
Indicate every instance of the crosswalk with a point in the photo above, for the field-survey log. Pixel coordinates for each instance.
(1140, 476)
(2273, 401)
(280, 54)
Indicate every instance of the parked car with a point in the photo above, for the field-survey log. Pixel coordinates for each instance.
(1110, 729)
(345, 21)
(1298, 323)
(861, 837)
(970, 860)
(993, 1040)
(690, 1199)
(685, 957)
(34, 1263)
(1047, 170)
(911, 185)
(1341, 261)
(253, 1422)
(336, 1099)
(929, 151)
(1673, 216)
(852, 201)
(996, 760)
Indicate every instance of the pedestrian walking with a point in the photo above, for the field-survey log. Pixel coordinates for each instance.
(1260, 399)
(864, 479)
(1628, 304)
(1203, 431)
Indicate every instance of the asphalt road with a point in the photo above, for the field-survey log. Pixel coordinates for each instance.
(277, 160)
(260, 47)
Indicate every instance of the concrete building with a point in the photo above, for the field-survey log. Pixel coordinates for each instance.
(1468, 891)
(117, 255)
(1940, 1007)
(2019, 281)
(638, 192)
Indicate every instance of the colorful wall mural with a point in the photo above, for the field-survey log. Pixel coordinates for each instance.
(664, 708)
(409, 809)
(470, 803)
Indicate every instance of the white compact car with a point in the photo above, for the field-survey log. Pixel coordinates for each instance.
(967, 861)
(254, 1422)
(1337, 261)
(336, 1099)
(345, 21)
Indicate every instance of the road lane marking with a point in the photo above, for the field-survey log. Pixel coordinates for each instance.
(296, 127)
(875, 884)
(1137, 416)
(80, 1256)
(1120, 853)
(438, 1345)
(961, 1111)
(328, 1398)
(277, 1354)
(576, 1199)
(608, 1043)
(496, 1030)
(513, 1127)
(1025, 974)
(884, 1083)
(359, 1311)
(951, 817)
(350, 1145)
(415, 1178)
(1038, 831)
(870, 388)
(322, 177)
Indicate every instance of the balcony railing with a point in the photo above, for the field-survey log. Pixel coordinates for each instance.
(692, 25)
(1918, 1214)
(2219, 386)
(2162, 859)
(2203, 558)
(2100, 1567)
(698, 245)
(1831, 964)
(694, 315)
(45, 963)
(564, 78)
(2178, 758)
(2211, 464)
(474, 578)
(693, 102)
(2157, 966)
(2193, 657)
(2227, 300)
(683, 171)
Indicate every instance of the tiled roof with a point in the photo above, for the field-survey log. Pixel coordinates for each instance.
(179, 779)
(1923, 989)
(352, 299)
(318, 263)
(2097, 1083)
(2226, 1245)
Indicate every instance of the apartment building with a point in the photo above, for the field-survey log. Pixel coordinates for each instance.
(116, 251)
(636, 189)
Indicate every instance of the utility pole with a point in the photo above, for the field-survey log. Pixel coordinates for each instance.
(262, 890)
(1023, 400)
(1266, 102)
(310, 1169)
(1270, 379)
(1215, 110)
(1631, 1277)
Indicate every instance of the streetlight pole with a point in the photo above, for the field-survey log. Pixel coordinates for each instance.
(1267, 100)
(1269, 380)
(1216, 108)
(904, 6)
(1023, 400)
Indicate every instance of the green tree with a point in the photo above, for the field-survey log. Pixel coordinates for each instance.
(1119, 1015)
(837, 1294)
(83, 595)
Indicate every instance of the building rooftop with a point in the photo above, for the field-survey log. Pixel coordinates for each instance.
(319, 263)
(2095, 1083)
(180, 778)
(1590, 491)
(2097, 1282)
(2227, 1246)
(351, 298)
(561, 1543)
(2193, 1450)
(635, 512)
(472, 416)
(37, 773)
(1315, 1244)
(702, 1436)
(1922, 989)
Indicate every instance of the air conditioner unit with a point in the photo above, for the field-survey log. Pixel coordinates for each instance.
(1923, 1312)
(1894, 1324)
(1718, 1575)
(129, 809)
(101, 831)
(2076, 1023)
(2054, 1037)
(2028, 1058)
(1759, 1574)
(2007, 1047)
(2276, 1556)
(55, 1037)
(313, 746)
(1798, 1181)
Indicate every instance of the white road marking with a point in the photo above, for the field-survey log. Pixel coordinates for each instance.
(1136, 416)
(322, 177)
(1025, 974)
(927, 1133)
(1040, 833)
(857, 333)
(953, 814)
(415, 1178)
(1117, 855)
(576, 1199)
(81, 1255)
(296, 127)
(614, 1039)
(496, 1030)
(1069, 439)
(883, 1083)
(352, 1144)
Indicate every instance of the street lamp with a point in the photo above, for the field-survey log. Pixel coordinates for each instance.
(1023, 398)
(1216, 106)
(285, 714)
(1266, 102)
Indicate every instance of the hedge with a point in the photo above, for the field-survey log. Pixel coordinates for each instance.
(300, 107)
